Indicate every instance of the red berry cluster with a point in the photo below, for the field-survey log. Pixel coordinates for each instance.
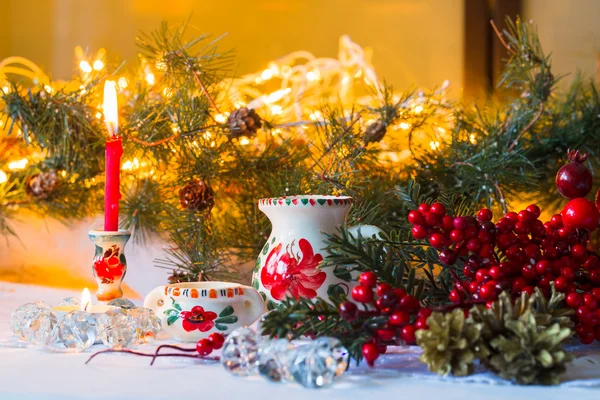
(403, 312)
(519, 252)
(206, 346)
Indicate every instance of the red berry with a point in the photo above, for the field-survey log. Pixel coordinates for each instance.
(424, 313)
(382, 348)
(217, 340)
(495, 272)
(454, 296)
(596, 293)
(525, 216)
(488, 292)
(421, 323)
(348, 310)
(362, 294)
(484, 215)
(544, 281)
(538, 229)
(447, 223)
(423, 208)
(532, 250)
(400, 293)
(386, 335)
(204, 347)
(368, 278)
(484, 237)
(590, 301)
(574, 299)
(584, 314)
(556, 221)
(437, 240)
(399, 318)
(370, 352)
(471, 231)
(542, 267)
(409, 304)
(534, 210)
(419, 232)
(579, 251)
(561, 284)
(447, 257)
(518, 284)
(416, 218)
(585, 334)
(457, 235)
(408, 334)
(522, 227)
(528, 289)
(574, 179)
(388, 299)
(512, 216)
(513, 253)
(482, 275)
(528, 271)
(473, 287)
(580, 213)
(438, 208)
(595, 276)
(568, 273)
(460, 223)
(382, 288)
(591, 263)
(432, 219)
(474, 245)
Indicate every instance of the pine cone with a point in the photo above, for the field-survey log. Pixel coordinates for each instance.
(451, 344)
(529, 354)
(243, 122)
(196, 195)
(375, 132)
(42, 185)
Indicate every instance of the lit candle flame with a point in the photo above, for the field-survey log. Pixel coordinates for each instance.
(86, 300)
(111, 113)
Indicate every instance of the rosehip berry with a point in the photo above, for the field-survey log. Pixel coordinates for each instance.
(528, 289)
(495, 272)
(544, 281)
(457, 235)
(505, 240)
(487, 251)
(217, 339)
(416, 218)
(532, 251)
(561, 284)
(556, 221)
(388, 299)
(595, 276)
(585, 334)
(512, 216)
(432, 219)
(474, 245)
(484, 237)
(538, 229)
(386, 335)
(437, 240)
(528, 272)
(482, 275)
(438, 208)
(584, 314)
(400, 293)
(399, 318)
(454, 296)
(362, 294)
(574, 300)
(471, 231)
(348, 310)
(579, 251)
(460, 223)
(204, 347)
(484, 215)
(590, 301)
(513, 253)
(447, 257)
(542, 267)
(534, 210)
(421, 323)
(580, 213)
(370, 352)
(419, 232)
(568, 273)
(488, 292)
(368, 279)
(409, 304)
(382, 288)
(424, 207)
(424, 313)
(596, 293)
(474, 287)
(591, 263)
(522, 227)
(447, 223)
(518, 284)
(525, 216)
(408, 334)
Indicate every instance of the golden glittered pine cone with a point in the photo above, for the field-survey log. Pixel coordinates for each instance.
(451, 344)
(42, 185)
(197, 195)
(375, 132)
(243, 122)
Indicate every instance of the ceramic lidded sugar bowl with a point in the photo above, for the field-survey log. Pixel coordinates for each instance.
(191, 311)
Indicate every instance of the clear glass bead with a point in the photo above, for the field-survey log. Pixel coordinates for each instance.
(240, 352)
(19, 316)
(77, 330)
(122, 303)
(70, 301)
(40, 327)
(116, 328)
(147, 325)
(318, 363)
(274, 359)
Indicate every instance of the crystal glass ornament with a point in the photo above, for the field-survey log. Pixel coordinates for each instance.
(147, 325)
(318, 363)
(77, 330)
(116, 328)
(39, 327)
(123, 303)
(240, 352)
(69, 301)
(274, 359)
(42, 304)
(19, 316)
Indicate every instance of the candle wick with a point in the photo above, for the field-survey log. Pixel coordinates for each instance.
(87, 304)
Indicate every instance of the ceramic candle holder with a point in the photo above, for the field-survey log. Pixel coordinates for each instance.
(109, 264)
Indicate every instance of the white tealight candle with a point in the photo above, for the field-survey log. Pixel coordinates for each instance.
(85, 305)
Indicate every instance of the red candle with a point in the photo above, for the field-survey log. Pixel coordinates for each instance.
(114, 151)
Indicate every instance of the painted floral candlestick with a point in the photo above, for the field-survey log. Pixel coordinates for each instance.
(109, 263)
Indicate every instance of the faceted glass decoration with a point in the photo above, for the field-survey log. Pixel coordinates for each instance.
(240, 352)
(19, 316)
(70, 301)
(274, 359)
(77, 330)
(42, 304)
(116, 328)
(39, 327)
(147, 325)
(318, 363)
(123, 303)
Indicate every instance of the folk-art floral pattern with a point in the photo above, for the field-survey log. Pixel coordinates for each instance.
(109, 264)
(200, 319)
(294, 275)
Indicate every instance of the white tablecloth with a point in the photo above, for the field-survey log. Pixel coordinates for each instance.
(27, 373)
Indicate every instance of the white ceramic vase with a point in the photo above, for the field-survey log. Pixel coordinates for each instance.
(288, 263)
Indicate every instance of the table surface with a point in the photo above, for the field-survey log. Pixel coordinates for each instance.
(27, 373)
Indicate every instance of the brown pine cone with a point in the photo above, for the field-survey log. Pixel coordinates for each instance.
(42, 185)
(196, 195)
(243, 122)
(374, 132)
